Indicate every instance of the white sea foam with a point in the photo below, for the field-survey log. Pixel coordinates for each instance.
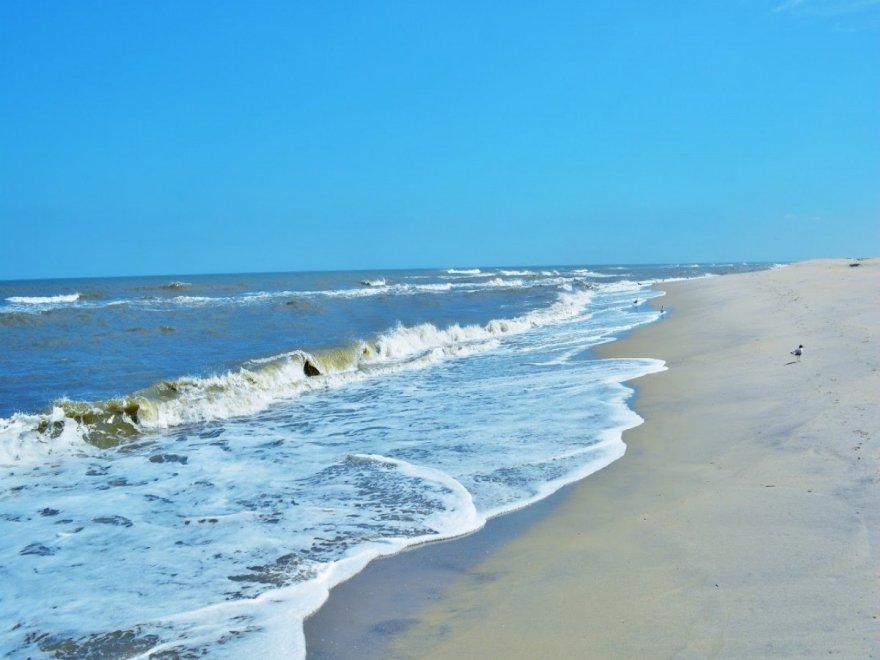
(196, 300)
(438, 288)
(586, 272)
(23, 441)
(458, 515)
(160, 303)
(498, 282)
(622, 286)
(243, 299)
(44, 300)
(272, 612)
(464, 271)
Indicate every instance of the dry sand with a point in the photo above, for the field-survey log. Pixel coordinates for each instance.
(743, 521)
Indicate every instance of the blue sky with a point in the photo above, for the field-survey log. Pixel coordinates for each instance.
(184, 137)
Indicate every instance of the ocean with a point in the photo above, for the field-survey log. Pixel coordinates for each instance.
(190, 463)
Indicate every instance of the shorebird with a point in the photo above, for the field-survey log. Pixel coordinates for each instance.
(798, 352)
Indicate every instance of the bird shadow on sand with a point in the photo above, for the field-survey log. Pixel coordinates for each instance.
(792, 362)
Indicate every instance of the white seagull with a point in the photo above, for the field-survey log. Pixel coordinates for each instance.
(798, 352)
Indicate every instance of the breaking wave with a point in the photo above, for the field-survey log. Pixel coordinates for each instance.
(259, 383)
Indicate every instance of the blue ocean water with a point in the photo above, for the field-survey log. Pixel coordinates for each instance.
(190, 463)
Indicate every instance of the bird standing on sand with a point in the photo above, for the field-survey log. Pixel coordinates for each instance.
(798, 352)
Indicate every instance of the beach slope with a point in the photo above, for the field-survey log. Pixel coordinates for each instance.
(743, 520)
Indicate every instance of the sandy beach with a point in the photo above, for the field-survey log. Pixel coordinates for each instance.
(742, 522)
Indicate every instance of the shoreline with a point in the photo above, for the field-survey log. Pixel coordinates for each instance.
(738, 524)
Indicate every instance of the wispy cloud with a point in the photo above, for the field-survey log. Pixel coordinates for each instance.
(787, 5)
(839, 15)
(800, 218)
(827, 7)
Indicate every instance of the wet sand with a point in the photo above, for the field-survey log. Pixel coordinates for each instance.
(742, 522)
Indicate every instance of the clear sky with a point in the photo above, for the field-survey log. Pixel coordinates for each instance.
(169, 137)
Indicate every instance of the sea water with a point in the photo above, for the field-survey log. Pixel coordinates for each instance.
(190, 463)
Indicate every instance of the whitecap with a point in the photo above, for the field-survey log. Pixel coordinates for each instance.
(44, 300)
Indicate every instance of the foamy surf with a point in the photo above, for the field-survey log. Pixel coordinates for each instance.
(263, 561)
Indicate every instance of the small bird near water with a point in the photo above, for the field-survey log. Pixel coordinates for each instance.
(798, 352)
